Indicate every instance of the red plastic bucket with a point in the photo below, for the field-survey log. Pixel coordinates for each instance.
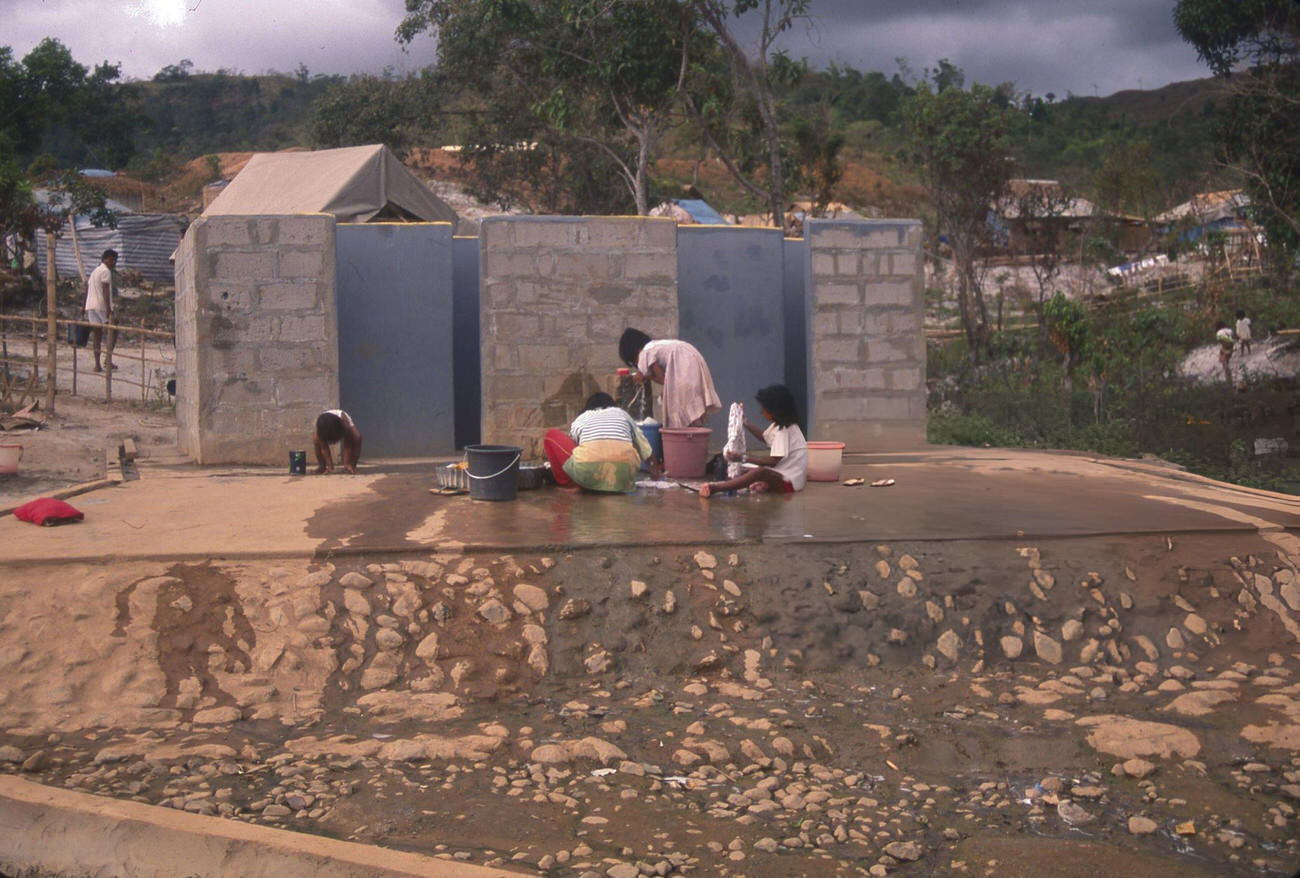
(686, 451)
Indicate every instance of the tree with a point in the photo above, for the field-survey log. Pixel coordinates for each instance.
(818, 143)
(960, 143)
(373, 109)
(740, 118)
(1255, 46)
(1041, 210)
(598, 75)
(50, 103)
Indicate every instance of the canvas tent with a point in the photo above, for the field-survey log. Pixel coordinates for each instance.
(358, 184)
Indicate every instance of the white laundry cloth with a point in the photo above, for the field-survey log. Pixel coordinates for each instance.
(735, 439)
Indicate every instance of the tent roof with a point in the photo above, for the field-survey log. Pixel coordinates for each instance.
(357, 184)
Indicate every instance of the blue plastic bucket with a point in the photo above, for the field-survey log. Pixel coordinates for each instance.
(651, 432)
(493, 471)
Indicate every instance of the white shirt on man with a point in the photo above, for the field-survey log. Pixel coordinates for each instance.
(96, 298)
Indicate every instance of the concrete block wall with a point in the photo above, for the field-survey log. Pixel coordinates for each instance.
(866, 351)
(256, 336)
(555, 295)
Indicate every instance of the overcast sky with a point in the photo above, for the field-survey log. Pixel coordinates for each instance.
(1084, 47)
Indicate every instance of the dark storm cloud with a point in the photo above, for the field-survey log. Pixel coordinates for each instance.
(1097, 46)
(1080, 46)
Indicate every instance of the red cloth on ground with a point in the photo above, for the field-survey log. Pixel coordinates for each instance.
(559, 447)
(47, 510)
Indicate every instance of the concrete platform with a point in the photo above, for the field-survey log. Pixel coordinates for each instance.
(182, 512)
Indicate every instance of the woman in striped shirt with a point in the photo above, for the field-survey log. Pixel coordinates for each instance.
(602, 450)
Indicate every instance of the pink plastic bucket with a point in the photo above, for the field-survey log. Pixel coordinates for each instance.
(9, 457)
(686, 451)
(824, 460)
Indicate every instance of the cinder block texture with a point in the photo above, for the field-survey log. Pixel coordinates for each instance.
(556, 294)
(256, 336)
(866, 356)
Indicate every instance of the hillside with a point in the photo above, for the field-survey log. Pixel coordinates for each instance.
(193, 128)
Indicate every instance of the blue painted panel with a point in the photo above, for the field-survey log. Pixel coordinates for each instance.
(394, 287)
(467, 347)
(731, 305)
(797, 338)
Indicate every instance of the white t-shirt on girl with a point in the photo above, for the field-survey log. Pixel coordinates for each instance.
(788, 444)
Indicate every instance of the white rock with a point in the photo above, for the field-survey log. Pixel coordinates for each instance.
(1047, 649)
(949, 645)
(1142, 825)
(495, 612)
(532, 597)
(355, 580)
(427, 648)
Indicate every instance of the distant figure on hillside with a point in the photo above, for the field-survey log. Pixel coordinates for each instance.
(335, 425)
(689, 395)
(1243, 331)
(1223, 335)
(99, 307)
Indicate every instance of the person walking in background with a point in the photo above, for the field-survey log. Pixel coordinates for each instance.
(1223, 335)
(1243, 331)
(99, 307)
(689, 395)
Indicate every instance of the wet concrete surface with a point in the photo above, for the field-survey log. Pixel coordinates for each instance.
(933, 498)
(180, 512)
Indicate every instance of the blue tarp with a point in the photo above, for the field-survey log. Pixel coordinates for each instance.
(701, 212)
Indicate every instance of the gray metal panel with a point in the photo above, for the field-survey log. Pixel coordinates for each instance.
(467, 347)
(797, 339)
(395, 336)
(731, 305)
(144, 243)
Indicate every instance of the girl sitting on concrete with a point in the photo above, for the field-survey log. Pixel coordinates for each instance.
(785, 469)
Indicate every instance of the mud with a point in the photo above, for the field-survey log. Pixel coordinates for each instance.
(913, 708)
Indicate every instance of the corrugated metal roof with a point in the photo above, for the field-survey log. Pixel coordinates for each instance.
(144, 243)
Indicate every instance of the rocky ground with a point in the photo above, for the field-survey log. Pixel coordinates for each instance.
(1082, 707)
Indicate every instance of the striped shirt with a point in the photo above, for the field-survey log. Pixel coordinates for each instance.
(606, 423)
